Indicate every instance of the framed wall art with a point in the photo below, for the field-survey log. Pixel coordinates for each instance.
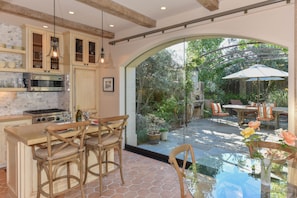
(108, 84)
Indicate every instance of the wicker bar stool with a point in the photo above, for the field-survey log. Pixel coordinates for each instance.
(65, 146)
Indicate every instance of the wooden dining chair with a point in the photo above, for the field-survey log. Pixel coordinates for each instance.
(64, 147)
(108, 137)
(186, 153)
(289, 152)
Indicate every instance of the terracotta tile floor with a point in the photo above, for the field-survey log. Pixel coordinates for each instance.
(144, 178)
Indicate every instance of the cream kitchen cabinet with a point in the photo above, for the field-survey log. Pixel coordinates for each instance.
(85, 89)
(83, 48)
(38, 46)
(3, 137)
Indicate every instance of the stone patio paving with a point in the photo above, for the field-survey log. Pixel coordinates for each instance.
(210, 138)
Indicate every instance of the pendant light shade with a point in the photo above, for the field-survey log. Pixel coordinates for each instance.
(102, 49)
(54, 51)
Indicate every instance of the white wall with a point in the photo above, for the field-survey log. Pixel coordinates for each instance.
(273, 24)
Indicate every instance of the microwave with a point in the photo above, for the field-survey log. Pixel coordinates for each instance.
(44, 82)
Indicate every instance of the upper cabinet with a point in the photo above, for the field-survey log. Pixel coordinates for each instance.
(83, 48)
(38, 48)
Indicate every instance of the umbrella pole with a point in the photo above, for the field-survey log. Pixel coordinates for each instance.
(258, 90)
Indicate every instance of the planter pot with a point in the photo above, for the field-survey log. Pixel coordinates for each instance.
(154, 137)
(164, 135)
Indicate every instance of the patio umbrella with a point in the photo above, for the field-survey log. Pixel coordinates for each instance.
(258, 72)
(265, 79)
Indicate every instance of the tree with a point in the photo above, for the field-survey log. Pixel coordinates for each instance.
(199, 58)
(156, 80)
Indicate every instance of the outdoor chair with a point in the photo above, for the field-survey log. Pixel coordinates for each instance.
(217, 111)
(187, 152)
(235, 102)
(57, 155)
(108, 137)
(265, 113)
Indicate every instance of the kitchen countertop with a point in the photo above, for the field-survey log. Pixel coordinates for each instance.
(35, 133)
(8, 118)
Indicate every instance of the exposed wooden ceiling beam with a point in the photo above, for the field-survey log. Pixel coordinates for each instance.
(210, 4)
(121, 11)
(32, 14)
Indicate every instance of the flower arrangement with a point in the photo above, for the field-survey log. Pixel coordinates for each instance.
(277, 151)
(268, 152)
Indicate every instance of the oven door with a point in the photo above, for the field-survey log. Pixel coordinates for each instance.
(38, 82)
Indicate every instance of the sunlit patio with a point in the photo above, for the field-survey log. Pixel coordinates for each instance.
(211, 137)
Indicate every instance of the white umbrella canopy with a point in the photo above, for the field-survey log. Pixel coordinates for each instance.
(265, 79)
(257, 71)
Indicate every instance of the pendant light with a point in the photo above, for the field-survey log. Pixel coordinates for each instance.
(54, 52)
(102, 49)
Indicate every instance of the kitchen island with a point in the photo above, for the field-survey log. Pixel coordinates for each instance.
(21, 168)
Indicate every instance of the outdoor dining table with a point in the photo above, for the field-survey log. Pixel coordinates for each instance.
(241, 110)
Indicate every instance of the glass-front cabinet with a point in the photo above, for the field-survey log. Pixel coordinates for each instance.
(39, 48)
(85, 50)
(38, 62)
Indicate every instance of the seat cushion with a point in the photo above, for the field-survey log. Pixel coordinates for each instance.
(222, 114)
(67, 151)
(216, 107)
(265, 112)
(106, 140)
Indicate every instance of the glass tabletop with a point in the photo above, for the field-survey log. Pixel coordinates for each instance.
(236, 176)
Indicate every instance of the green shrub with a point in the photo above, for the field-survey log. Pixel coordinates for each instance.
(141, 129)
(279, 96)
(169, 109)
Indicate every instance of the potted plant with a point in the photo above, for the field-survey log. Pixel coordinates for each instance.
(154, 137)
(164, 134)
(154, 124)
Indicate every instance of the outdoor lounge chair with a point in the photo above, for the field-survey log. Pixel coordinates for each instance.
(217, 111)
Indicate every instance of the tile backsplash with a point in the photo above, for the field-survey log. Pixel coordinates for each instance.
(12, 103)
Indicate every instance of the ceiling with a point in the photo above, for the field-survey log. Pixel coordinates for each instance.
(90, 16)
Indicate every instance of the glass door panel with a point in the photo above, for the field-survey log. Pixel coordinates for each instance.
(92, 52)
(37, 51)
(79, 50)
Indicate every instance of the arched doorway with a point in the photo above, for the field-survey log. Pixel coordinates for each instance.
(131, 78)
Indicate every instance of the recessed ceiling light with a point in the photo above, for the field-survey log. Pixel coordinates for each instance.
(111, 25)
(45, 26)
(70, 12)
(163, 7)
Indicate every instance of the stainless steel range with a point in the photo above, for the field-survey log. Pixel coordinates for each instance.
(48, 115)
